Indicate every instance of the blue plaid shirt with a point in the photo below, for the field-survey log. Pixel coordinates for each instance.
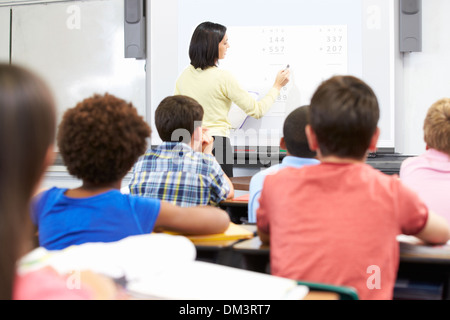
(175, 173)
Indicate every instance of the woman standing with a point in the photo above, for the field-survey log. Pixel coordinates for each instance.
(216, 89)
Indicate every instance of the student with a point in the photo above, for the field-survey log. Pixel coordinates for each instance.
(429, 173)
(99, 140)
(216, 89)
(337, 222)
(27, 129)
(298, 155)
(183, 173)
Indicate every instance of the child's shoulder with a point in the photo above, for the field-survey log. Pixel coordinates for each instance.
(49, 193)
(198, 156)
(277, 175)
(206, 162)
(429, 159)
(132, 198)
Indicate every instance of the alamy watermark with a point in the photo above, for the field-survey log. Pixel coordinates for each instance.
(374, 280)
(73, 280)
(73, 21)
(268, 155)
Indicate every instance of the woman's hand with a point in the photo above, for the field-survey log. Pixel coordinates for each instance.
(282, 78)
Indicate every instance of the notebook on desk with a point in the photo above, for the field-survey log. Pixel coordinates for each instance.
(234, 232)
(197, 280)
(160, 266)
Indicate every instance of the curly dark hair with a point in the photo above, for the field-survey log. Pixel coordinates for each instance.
(101, 138)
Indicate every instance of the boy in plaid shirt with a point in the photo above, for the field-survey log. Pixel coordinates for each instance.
(182, 170)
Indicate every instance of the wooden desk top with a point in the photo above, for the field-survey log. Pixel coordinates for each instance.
(409, 251)
(241, 183)
(321, 295)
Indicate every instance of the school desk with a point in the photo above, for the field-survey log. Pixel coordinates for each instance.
(222, 252)
(241, 183)
(236, 208)
(255, 254)
(418, 262)
(425, 266)
(219, 250)
(321, 295)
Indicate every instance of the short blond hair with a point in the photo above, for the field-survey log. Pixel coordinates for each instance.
(437, 126)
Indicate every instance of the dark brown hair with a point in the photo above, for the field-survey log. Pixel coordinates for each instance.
(27, 128)
(101, 138)
(344, 114)
(180, 113)
(294, 133)
(204, 46)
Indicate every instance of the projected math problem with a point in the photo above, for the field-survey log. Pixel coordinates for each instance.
(313, 54)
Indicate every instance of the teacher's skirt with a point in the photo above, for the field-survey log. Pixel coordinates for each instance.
(223, 152)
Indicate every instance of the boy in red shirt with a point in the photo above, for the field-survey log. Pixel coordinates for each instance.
(337, 222)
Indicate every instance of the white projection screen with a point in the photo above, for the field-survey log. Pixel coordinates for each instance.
(317, 39)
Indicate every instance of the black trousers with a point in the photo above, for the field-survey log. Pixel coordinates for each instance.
(223, 152)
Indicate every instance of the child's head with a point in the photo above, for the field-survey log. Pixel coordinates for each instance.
(27, 131)
(101, 138)
(437, 126)
(294, 135)
(344, 114)
(177, 118)
(27, 127)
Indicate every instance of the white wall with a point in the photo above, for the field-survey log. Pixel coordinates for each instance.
(426, 77)
(4, 34)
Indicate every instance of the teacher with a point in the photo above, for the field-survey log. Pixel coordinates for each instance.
(216, 89)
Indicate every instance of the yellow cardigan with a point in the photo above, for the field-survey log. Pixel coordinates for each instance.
(215, 89)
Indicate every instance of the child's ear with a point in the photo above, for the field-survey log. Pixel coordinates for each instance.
(312, 138)
(198, 134)
(196, 139)
(282, 143)
(374, 141)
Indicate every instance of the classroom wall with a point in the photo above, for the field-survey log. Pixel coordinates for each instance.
(4, 34)
(425, 77)
(421, 77)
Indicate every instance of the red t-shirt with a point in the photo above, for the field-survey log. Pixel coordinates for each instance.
(337, 224)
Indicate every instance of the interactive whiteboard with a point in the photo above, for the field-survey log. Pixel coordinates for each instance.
(317, 39)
